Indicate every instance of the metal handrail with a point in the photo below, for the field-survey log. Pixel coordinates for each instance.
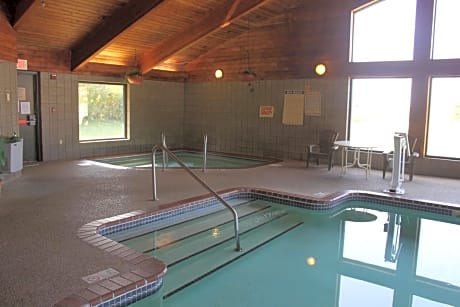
(205, 152)
(207, 187)
(165, 156)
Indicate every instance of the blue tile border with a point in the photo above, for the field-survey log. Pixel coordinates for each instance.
(329, 202)
(133, 296)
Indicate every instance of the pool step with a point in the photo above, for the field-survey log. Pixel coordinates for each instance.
(127, 234)
(193, 268)
(144, 241)
(199, 242)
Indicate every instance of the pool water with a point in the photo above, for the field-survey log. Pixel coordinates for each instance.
(190, 158)
(362, 254)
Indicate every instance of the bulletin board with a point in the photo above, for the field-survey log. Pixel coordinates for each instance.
(293, 108)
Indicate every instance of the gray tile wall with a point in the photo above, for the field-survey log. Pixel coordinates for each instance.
(8, 107)
(155, 106)
(228, 112)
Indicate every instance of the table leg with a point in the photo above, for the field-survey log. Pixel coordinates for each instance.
(368, 162)
(356, 157)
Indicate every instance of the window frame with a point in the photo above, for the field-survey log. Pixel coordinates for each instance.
(125, 113)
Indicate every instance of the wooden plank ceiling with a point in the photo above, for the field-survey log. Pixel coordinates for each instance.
(163, 38)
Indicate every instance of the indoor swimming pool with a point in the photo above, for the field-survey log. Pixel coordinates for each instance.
(192, 159)
(352, 250)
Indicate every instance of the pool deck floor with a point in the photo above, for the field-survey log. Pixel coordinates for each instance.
(41, 258)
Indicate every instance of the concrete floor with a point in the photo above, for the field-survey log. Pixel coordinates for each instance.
(41, 258)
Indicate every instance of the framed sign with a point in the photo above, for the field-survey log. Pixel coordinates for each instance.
(266, 111)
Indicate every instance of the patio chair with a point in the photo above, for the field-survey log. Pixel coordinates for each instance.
(411, 156)
(324, 149)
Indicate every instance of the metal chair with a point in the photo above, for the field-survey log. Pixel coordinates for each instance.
(324, 149)
(411, 156)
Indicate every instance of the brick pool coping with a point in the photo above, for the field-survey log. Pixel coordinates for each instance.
(146, 277)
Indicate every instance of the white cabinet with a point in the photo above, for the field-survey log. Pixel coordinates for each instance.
(13, 156)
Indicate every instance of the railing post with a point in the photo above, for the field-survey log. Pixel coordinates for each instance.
(154, 176)
(205, 152)
(165, 156)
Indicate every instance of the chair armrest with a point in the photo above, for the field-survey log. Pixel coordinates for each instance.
(311, 146)
(391, 152)
(387, 154)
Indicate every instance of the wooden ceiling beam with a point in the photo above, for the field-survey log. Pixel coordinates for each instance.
(230, 13)
(109, 29)
(23, 8)
(213, 22)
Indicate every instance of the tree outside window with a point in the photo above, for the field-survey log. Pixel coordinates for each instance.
(102, 111)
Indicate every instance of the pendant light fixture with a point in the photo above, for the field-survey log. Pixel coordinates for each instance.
(248, 74)
(134, 75)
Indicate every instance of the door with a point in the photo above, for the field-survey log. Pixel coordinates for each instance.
(29, 116)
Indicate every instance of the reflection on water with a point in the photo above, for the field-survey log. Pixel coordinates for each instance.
(366, 256)
(439, 252)
(416, 259)
(351, 290)
(418, 301)
(359, 235)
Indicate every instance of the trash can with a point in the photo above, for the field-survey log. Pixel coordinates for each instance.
(12, 153)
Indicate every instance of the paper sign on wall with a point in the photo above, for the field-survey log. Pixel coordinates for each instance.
(25, 107)
(21, 93)
(313, 104)
(293, 109)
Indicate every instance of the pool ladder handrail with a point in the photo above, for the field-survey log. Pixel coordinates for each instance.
(204, 184)
(165, 156)
(205, 151)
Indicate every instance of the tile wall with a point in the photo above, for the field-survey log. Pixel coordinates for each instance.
(228, 112)
(8, 99)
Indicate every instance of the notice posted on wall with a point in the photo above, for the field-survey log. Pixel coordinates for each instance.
(293, 108)
(313, 104)
(24, 107)
(21, 93)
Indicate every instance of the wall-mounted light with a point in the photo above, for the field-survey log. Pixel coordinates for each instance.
(320, 69)
(219, 73)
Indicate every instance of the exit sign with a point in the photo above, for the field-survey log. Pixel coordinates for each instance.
(21, 64)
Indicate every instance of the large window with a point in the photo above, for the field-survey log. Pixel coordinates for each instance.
(383, 31)
(444, 118)
(102, 111)
(446, 44)
(379, 108)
